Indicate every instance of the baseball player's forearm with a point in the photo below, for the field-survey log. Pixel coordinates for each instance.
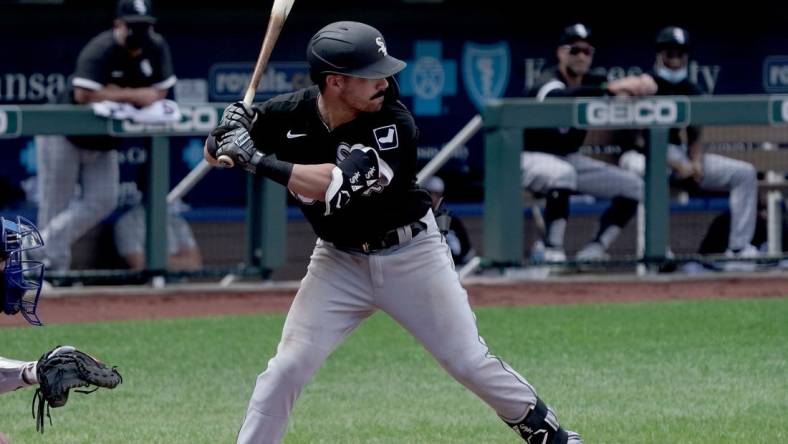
(140, 97)
(15, 374)
(311, 181)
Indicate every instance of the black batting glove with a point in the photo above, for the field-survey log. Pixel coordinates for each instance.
(236, 115)
(239, 114)
(239, 146)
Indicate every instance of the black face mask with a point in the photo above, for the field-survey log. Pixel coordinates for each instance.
(139, 36)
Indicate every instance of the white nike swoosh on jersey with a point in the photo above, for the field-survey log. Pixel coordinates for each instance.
(290, 135)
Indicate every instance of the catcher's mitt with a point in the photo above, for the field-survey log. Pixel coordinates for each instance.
(62, 369)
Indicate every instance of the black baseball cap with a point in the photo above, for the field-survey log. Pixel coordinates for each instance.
(351, 48)
(135, 11)
(575, 33)
(673, 37)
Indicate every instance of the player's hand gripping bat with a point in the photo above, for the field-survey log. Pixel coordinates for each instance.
(276, 22)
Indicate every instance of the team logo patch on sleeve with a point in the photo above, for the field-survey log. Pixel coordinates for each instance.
(386, 137)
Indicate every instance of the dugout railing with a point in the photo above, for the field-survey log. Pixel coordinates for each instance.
(266, 215)
(505, 120)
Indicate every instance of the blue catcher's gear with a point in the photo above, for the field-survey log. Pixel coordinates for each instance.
(20, 280)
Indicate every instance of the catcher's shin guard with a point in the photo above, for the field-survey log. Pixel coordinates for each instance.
(539, 426)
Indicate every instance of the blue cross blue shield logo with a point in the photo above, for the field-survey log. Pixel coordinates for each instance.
(428, 78)
(485, 71)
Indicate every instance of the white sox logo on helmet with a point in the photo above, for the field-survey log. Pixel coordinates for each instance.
(381, 46)
(139, 6)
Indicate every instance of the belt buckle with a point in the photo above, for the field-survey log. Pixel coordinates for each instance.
(365, 247)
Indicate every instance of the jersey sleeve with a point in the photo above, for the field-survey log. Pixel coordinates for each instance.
(549, 85)
(91, 72)
(396, 142)
(166, 76)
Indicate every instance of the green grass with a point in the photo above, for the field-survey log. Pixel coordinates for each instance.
(676, 372)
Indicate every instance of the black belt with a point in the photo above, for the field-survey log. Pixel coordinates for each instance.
(388, 240)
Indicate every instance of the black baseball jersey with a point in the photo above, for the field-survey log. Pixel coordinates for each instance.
(290, 127)
(683, 88)
(104, 62)
(552, 83)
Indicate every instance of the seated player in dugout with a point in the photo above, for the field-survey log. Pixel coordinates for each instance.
(691, 168)
(551, 162)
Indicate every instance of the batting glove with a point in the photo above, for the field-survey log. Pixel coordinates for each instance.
(239, 114)
(238, 145)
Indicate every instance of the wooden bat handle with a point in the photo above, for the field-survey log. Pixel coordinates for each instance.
(279, 12)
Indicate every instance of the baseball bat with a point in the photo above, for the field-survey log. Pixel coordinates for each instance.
(461, 138)
(188, 182)
(276, 22)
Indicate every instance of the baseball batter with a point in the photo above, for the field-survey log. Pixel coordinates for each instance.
(551, 162)
(346, 148)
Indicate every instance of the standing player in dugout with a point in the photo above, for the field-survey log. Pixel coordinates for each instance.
(346, 149)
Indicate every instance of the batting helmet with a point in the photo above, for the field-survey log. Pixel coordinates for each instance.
(20, 283)
(672, 37)
(353, 49)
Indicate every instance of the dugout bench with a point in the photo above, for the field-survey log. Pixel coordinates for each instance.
(505, 119)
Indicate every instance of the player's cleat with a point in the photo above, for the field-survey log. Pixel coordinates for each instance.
(748, 255)
(573, 438)
(540, 425)
(541, 253)
(594, 251)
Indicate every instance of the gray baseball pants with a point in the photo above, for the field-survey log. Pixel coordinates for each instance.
(414, 283)
(578, 172)
(740, 180)
(63, 214)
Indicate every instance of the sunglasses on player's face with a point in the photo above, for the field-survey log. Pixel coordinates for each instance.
(575, 50)
(673, 53)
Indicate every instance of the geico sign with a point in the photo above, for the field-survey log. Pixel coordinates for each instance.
(195, 119)
(644, 112)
